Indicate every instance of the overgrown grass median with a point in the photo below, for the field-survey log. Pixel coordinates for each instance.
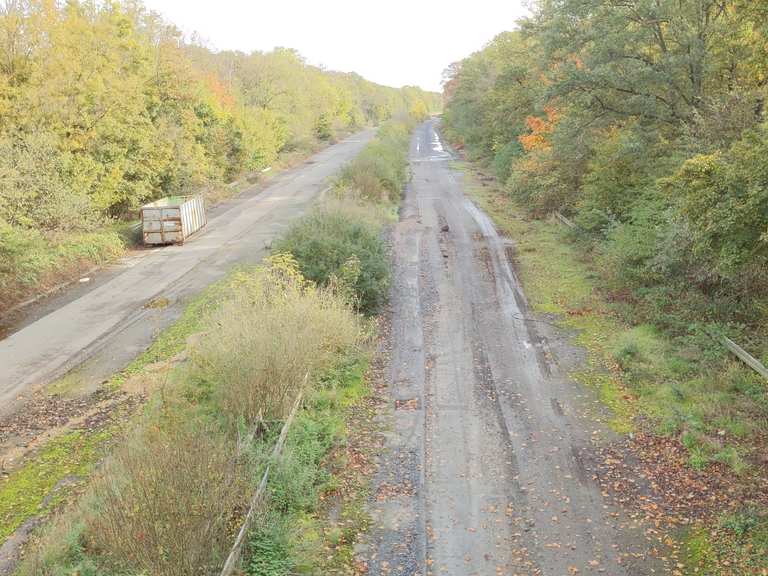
(171, 496)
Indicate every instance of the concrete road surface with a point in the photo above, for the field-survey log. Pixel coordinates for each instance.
(488, 467)
(109, 325)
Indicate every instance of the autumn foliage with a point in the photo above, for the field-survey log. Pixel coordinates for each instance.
(539, 130)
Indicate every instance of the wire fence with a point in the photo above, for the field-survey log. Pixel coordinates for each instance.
(233, 559)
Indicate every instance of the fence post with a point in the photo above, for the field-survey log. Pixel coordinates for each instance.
(234, 554)
(564, 220)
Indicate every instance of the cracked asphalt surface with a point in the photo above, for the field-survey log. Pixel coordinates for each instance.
(488, 467)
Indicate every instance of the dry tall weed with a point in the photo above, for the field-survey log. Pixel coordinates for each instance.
(273, 329)
(167, 502)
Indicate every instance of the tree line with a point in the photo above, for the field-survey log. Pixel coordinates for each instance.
(105, 106)
(644, 121)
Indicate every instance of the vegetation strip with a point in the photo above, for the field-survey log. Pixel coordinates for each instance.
(737, 350)
(230, 565)
(257, 333)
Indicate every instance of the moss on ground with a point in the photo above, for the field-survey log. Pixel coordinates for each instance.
(31, 489)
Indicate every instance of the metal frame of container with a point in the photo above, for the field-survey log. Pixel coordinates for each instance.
(173, 219)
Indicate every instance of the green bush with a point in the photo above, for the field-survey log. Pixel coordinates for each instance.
(623, 169)
(380, 171)
(291, 537)
(269, 548)
(502, 160)
(260, 343)
(19, 260)
(325, 242)
(724, 196)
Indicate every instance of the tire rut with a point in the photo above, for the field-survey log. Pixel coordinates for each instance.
(498, 440)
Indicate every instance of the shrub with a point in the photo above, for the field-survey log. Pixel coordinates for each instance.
(22, 256)
(725, 198)
(380, 171)
(624, 167)
(34, 192)
(272, 330)
(502, 160)
(323, 244)
(168, 499)
(269, 548)
(535, 182)
(294, 486)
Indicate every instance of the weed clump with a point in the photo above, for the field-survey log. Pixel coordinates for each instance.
(380, 171)
(273, 329)
(169, 499)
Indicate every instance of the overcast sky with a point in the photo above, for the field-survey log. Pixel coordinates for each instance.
(394, 42)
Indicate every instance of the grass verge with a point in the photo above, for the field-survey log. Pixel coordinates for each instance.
(31, 263)
(316, 507)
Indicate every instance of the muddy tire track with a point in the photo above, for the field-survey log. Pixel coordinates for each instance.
(497, 444)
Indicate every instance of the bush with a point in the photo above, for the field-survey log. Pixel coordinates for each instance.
(272, 330)
(22, 255)
(502, 160)
(624, 167)
(324, 243)
(380, 171)
(725, 198)
(168, 499)
(291, 537)
(34, 192)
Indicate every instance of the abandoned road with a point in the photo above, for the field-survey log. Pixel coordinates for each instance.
(487, 470)
(106, 327)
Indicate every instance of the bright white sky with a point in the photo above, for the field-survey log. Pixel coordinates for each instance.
(393, 42)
